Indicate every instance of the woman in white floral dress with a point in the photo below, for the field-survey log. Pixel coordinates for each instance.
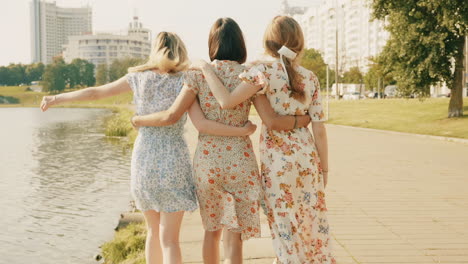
(161, 175)
(294, 164)
(226, 172)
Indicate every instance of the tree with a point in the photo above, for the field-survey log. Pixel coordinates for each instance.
(119, 67)
(354, 75)
(313, 60)
(426, 45)
(16, 74)
(80, 73)
(4, 76)
(34, 72)
(102, 74)
(54, 78)
(376, 74)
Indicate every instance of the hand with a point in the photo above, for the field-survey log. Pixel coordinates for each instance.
(132, 121)
(250, 128)
(48, 101)
(199, 64)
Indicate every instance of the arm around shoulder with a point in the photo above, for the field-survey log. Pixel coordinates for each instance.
(210, 127)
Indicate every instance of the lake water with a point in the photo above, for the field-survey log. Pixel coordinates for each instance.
(63, 185)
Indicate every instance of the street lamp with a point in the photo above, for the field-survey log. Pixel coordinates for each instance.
(328, 93)
(336, 50)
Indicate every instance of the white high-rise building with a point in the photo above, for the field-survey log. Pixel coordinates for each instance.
(103, 48)
(52, 25)
(359, 37)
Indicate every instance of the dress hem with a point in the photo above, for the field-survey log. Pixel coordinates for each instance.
(166, 210)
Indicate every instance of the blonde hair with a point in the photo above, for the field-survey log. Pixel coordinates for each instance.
(285, 31)
(168, 55)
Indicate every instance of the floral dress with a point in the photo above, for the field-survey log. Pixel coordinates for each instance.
(292, 180)
(161, 173)
(225, 168)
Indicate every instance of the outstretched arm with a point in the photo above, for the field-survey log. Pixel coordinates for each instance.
(226, 99)
(211, 127)
(273, 121)
(170, 116)
(88, 94)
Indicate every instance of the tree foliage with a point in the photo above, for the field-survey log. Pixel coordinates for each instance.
(119, 67)
(102, 74)
(80, 73)
(427, 39)
(34, 72)
(354, 75)
(55, 76)
(376, 74)
(16, 74)
(313, 60)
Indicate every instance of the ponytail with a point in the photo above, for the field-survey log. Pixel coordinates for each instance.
(285, 31)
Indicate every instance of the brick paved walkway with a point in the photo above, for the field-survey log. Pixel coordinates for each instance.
(391, 199)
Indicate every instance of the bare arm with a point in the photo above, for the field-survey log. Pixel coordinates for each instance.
(273, 121)
(321, 143)
(226, 99)
(170, 116)
(211, 127)
(88, 94)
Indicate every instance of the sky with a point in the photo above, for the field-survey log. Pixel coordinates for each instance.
(190, 19)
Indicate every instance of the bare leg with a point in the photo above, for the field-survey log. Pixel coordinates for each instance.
(169, 237)
(153, 252)
(232, 243)
(211, 247)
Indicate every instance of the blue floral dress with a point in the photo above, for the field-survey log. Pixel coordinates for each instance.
(161, 174)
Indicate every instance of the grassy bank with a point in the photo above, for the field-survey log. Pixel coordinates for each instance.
(427, 117)
(20, 96)
(118, 125)
(127, 247)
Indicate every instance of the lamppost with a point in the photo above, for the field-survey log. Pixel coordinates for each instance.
(328, 93)
(336, 51)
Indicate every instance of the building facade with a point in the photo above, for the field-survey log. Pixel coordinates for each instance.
(52, 25)
(103, 48)
(349, 21)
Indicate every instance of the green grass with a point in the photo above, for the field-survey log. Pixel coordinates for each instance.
(127, 247)
(24, 97)
(118, 125)
(428, 116)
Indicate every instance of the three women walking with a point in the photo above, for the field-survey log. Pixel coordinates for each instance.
(225, 180)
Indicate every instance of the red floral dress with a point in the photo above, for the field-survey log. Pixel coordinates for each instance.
(225, 168)
(294, 195)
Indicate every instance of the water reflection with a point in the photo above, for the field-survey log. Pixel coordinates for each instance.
(61, 184)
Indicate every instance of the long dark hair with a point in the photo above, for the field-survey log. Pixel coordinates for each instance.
(226, 41)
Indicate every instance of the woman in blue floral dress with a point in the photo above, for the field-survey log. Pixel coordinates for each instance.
(161, 173)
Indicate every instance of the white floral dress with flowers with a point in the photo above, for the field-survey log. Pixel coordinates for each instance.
(292, 180)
